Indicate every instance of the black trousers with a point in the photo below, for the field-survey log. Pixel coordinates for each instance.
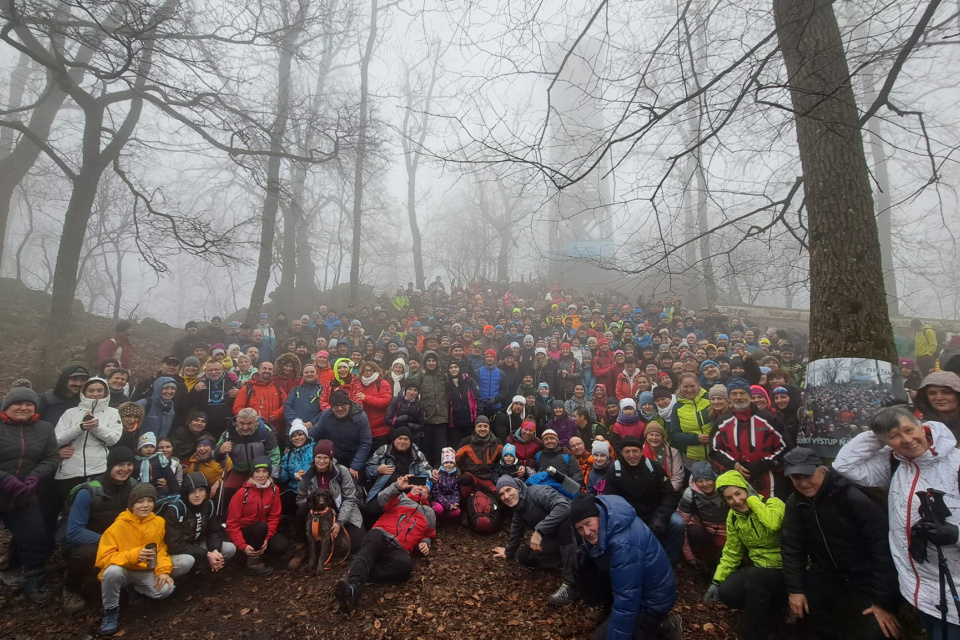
(380, 559)
(645, 626)
(300, 529)
(254, 535)
(31, 542)
(80, 559)
(836, 608)
(704, 545)
(434, 440)
(557, 551)
(760, 594)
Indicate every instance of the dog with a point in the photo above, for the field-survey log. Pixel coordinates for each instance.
(323, 515)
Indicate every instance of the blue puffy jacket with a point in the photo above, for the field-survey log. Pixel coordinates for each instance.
(351, 435)
(303, 402)
(640, 573)
(489, 384)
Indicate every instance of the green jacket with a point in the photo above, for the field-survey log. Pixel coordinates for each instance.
(757, 533)
(691, 418)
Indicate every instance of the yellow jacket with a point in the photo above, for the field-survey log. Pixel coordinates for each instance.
(122, 542)
(925, 342)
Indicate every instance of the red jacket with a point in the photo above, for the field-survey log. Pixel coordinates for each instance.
(376, 398)
(251, 505)
(605, 369)
(627, 386)
(407, 521)
(352, 388)
(748, 438)
(526, 451)
(266, 399)
(116, 347)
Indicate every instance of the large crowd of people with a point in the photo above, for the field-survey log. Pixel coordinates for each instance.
(610, 440)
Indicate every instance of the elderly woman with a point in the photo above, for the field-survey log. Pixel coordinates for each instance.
(753, 531)
(28, 456)
(245, 369)
(938, 399)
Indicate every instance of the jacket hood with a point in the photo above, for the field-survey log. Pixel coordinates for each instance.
(616, 515)
(937, 379)
(193, 481)
(158, 387)
(336, 365)
(291, 358)
(732, 479)
(427, 354)
(89, 404)
(60, 389)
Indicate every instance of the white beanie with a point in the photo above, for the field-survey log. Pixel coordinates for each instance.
(627, 402)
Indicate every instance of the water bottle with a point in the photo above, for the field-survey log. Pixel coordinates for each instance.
(569, 485)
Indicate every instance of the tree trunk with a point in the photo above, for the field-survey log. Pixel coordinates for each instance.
(703, 224)
(503, 257)
(688, 277)
(361, 156)
(414, 226)
(848, 310)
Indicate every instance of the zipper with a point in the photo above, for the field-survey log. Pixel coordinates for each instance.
(911, 494)
(823, 537)
(23, 451)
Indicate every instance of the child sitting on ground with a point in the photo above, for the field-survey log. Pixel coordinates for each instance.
(704, 511)
(446, 489)
(153, 467)
(509, 465)
(165, 447)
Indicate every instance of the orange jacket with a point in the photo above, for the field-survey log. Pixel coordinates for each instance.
(266, 399)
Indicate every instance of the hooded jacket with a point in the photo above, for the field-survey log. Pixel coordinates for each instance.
(754, 443)
(406, 520)
(940, 379)
(755, 534)
(342, 487)
(214, 400)
(433, 392)
(640, 573)
(54, 402)
(303, 402)
(696, 507)
(265, 398)
(160, 414)
(477, 457)
(526, 451)
(90, 446)
(690, 419)
(122, 542)
(350, 435)
(192, 530)
(840, 532)
(866, 461)
(26, 449)
(249, 505)
(377, 397)
(540, 508)
(294, 460)
(246, 449)
(646, 487)
(627, 385)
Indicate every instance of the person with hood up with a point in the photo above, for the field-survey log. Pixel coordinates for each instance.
(254, 516)
(690, 427)
(546, 511)
(599, 401)
(28, 457)
(623, 569)
(561, 423)
(786, 404)
(194, 535)
(605, 365)
(527, 443)
(753, 530)
(133, 553)
(85, 434)
(408, 524)
(432, 383)
(374, 396)
(704, 513)
(464, 398)
(287, 372)
(160, 408)
(836, 557)
(509, 419)
(907, 455)
(64, 395)
(303, 401)
(938, 400)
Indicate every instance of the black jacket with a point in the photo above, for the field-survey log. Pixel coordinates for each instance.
(26, 449)
(647, 488)
(542, 509)
(843, 533)
(192, 530)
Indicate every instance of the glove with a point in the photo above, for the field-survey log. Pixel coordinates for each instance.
(11, 486)
(30, 485)
(713, 594)
(939, 534)
(659, 527)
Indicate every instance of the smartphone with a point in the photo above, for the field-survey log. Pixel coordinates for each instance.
(417, 480)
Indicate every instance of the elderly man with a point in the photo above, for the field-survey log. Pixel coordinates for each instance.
(244, 442)
(408, 524)
(836, 558)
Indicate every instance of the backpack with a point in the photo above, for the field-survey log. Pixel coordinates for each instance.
(566, 457)
(483, 511)
(544, 478)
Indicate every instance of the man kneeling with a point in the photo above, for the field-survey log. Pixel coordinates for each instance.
(621, 564)
(407, 525)
(132, 554)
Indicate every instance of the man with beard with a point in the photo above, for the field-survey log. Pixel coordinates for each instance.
(64, 395)
(214, 394)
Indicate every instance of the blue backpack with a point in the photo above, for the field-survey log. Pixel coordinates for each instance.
(544, 478)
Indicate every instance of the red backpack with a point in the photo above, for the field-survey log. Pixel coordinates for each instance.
(483, 511)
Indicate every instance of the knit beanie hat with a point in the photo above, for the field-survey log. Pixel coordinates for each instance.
(707, 363)
(148, 438)
(549, 432)
(631, 441)
(661, 392)
(323, 448)
(509, 450)
(21, 394)
(139, 492)
(131, 410)
(738, 383)
(119, 455)
(481, 419)
(262, 462)
(449, 455)
(703, 470)
(600, 446)
(508, 481)
(655, 426)
(628, 402)
(191, 361)
(583, 506)
(400, 432)
(719, 391)
(297, 426)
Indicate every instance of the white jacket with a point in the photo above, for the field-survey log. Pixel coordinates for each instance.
(865, 461)
(90, 447)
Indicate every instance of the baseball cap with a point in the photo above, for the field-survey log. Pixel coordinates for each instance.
(800, 460)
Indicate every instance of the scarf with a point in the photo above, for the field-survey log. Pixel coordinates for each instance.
(629, 419)
(368, 380)
(666, 413)
(145, 465)
(647, 417)
(265, 485)
(658, 455)
(397, 379)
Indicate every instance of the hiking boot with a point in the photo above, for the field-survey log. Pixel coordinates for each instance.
(257, 567)
(12, 578)
(72, 601)
(34, 589)
(111, 621)
(671, 628)
(563, 596)
(298, 556)
(347, 595)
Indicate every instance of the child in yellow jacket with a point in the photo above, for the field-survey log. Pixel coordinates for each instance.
(132, 554)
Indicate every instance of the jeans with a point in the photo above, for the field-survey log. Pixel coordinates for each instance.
(116, 578)
(31, 540)
(760, 594)
(933, 625)
(380, 559)
(672, 539)
(183, 563)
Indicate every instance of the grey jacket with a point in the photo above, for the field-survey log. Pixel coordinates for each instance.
(542, 509)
